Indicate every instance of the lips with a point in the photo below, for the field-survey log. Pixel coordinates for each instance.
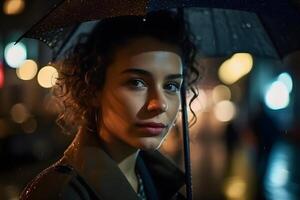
(152, 125)
(152, 129)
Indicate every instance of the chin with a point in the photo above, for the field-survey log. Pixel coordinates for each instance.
(150, 144)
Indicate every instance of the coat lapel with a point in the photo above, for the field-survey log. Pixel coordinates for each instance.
(97, 168)
(167, 178)
(161, 178)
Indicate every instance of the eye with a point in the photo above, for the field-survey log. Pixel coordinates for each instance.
(172, 87)
(137, 83)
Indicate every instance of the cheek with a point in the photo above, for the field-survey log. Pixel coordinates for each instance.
(132, 103)
(174, 105)
(121, 106)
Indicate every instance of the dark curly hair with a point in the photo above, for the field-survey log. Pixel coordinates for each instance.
(82, 72)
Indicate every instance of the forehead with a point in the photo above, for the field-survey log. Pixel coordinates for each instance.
(148, 53)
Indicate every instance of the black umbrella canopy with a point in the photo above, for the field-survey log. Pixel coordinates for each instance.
(280, 20)
(218, 33)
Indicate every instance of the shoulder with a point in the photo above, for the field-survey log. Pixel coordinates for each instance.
(55, 182)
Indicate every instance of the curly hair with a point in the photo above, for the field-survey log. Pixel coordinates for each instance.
(82, 72)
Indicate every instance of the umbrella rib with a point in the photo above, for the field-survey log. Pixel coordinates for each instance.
(38, 22)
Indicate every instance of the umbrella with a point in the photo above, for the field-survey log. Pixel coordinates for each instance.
(279, 18)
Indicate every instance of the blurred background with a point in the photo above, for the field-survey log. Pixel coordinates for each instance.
(244, 144)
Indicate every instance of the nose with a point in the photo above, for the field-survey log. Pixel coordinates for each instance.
(157, 102)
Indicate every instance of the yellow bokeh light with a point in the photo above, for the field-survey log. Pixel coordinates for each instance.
(235, 188)
(221, 92)
(19, 113)
(235, 68)
(27, 70)
(13, 7)
(224, 111)
(47, 76)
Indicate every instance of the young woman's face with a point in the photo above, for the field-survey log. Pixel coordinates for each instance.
(142, 86)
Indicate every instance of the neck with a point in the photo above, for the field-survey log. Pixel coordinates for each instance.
(124, 155)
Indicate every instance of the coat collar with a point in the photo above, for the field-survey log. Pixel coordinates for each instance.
(102, 173)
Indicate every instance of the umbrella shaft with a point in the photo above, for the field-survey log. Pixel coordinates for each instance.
(186, 144)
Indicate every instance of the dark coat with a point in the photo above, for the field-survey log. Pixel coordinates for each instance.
(86, 172)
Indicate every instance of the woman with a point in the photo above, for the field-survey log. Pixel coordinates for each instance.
(120, 90)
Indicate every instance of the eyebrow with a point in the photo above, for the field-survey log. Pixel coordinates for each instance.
(146, 73)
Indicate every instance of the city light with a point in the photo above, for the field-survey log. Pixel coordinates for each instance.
(235, 68)
(279, 177)
(27, 70)
(221, 92)
(286, 79)
(1, 74)
(235, 188)
(15, 54)
(47, 77)
(19, 113)
(225, 111)
(277, 96)
(13, 7)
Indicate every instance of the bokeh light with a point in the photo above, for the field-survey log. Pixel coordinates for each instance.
(221, 92)
(224, 111)
(1, 74)
(235, 68)
(19, 113)
(286, 79)
(281, 181)
(235, 188)
(15, 54)
(277, 96)
(27, 70)
(47, 76)
(13, 7)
